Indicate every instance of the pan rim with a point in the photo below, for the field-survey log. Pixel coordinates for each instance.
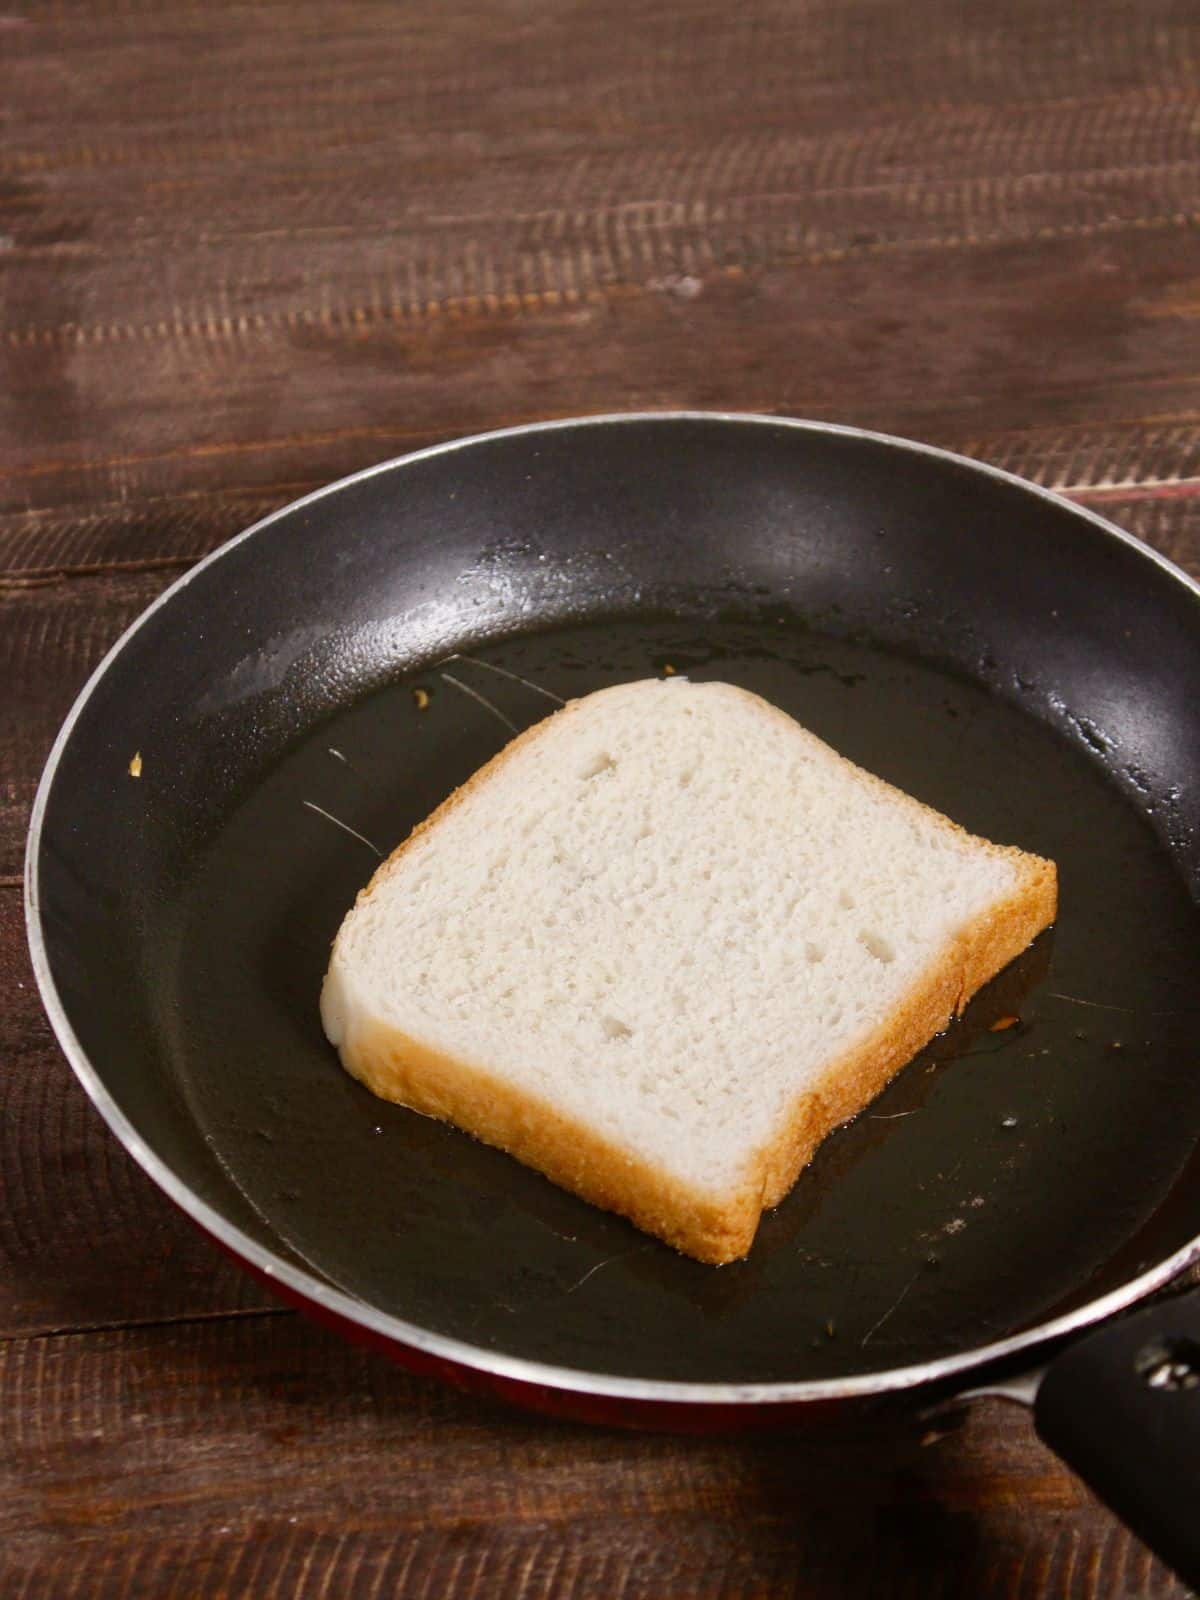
(523, 1370)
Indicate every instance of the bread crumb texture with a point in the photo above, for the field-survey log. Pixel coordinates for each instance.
(663, 944)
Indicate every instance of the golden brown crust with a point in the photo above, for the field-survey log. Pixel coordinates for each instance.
(853, 1080)
(712, 1227)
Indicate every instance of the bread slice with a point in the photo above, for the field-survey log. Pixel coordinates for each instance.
(662, 944)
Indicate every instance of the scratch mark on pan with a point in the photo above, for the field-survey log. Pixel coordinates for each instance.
(1128, 1011)
(590, 1273)
(514, 677)
(895, 1306)
(344, 826)
(571, 1238)
(891, 1116)
(475, 695)
(1096, 1005)
(607, 1262)
(338, 755)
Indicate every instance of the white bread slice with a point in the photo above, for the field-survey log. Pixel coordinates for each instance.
(662, 944)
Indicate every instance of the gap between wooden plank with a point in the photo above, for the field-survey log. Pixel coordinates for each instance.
(44, 577)
(116, 1325)
(1161, 489)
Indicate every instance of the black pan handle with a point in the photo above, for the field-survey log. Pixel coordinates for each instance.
(1122, 1407)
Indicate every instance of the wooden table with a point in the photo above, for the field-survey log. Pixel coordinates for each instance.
(245, 249)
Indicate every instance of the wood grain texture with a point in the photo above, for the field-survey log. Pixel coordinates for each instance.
(246, 249)
(360, 233)
(992, 352)
(263, 1458)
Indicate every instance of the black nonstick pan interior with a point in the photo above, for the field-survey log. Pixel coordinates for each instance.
(296, 708)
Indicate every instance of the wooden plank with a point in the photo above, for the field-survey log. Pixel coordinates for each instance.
(996, 352)
(85, 1238)
(836, 214)
(262, 1457)
(549, 75)
(494, 230)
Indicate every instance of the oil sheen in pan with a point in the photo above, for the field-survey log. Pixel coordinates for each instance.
(1008, 1172)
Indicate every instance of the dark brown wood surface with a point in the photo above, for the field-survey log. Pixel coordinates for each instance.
(246, 248)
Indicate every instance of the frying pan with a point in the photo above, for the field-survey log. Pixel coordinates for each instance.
(288, 710)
